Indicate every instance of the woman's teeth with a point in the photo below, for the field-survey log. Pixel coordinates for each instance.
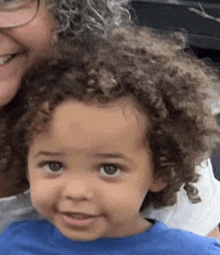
(4, 60)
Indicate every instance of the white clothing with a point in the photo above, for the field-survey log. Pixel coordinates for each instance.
(198, 218)
(16, 208)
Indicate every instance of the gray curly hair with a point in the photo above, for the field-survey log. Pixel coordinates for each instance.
(77, 16)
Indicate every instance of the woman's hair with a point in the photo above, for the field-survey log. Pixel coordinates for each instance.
(173, 88)
(75, 17)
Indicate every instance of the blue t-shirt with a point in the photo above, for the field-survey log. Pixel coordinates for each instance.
(42, 238)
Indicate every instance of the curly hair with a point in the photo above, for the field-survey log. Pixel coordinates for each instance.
(77, 16)
(172, 87)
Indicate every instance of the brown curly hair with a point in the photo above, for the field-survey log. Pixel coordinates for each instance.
(173, 88)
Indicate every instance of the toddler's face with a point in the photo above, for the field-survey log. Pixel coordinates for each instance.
(90, 171)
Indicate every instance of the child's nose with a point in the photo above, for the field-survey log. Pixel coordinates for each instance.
(78, 189)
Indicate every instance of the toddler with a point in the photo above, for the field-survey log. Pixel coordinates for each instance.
(106, 128)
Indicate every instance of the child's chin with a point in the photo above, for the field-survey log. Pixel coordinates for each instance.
(82, 237)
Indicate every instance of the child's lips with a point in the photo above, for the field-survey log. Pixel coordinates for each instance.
(77, 215)
(79, 220)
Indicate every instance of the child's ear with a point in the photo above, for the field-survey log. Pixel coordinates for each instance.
(157, 185)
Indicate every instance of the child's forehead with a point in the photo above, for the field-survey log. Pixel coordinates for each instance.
(116, 114)
(124, 106)
(84, 126)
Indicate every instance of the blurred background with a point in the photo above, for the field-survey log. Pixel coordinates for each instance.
(200, 19)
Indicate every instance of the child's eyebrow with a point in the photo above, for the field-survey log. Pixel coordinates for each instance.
(48, 153)
(100, 155)
(113, 155)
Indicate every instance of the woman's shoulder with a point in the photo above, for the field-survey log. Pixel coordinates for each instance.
(200, 218)
(16, 208)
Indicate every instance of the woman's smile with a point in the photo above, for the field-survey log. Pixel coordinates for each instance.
(6, 59)
(20, 48)
(9, 58)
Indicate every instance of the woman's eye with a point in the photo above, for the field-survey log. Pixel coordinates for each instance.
(110, 170)
(16, 5)
(53, 167)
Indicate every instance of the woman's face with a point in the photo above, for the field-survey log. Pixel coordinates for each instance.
(25, 44)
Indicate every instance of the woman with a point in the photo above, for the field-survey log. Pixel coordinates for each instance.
(27, 29)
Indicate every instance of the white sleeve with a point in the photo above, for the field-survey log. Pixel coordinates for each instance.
(16, 208)
(200, 218)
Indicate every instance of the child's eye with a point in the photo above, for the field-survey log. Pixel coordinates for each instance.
(110, 170)
(53, 167)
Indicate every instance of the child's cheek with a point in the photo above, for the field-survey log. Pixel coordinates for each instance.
(43, 198)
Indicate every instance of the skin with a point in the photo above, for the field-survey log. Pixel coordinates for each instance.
(68, 167)
(215, 233)
(31, 41)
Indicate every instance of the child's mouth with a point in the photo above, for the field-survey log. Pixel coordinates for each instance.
(79, 220)
(78, 216)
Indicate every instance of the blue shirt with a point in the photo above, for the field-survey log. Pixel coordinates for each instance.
(40, 237)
